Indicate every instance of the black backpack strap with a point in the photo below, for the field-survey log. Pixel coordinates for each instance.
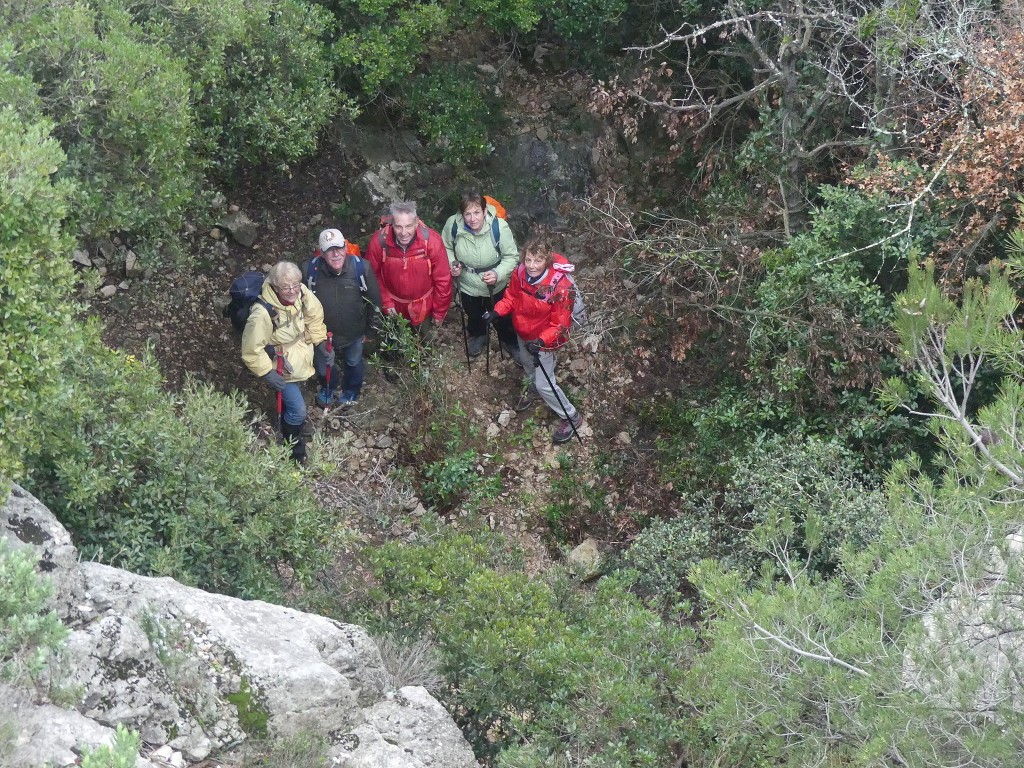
(271, 310)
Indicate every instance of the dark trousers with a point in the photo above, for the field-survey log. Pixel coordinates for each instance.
(475, 307)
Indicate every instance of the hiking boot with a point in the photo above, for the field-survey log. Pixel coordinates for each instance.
(326, 397)
(512, 349)
(526, 400)
(565, 427)
(477, 344)
(347, 398)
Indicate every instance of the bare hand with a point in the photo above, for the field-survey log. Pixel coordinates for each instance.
(490, 277)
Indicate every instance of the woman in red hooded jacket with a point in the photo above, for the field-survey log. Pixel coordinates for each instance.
(540, 302)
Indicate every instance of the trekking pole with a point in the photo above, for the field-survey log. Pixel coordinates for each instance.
(279, 359)
(330, 348)
(551, 384)
(501, 351)
(487, 328)
(465, 333)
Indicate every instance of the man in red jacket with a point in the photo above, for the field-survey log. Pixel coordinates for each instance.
(411, 265)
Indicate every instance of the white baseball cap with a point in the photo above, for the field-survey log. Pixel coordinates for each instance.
(331, 238)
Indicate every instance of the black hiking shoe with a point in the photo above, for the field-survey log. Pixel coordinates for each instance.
(477, 344)
(565, 427)
(527, 400)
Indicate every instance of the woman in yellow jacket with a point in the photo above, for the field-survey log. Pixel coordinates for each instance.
(284, 326)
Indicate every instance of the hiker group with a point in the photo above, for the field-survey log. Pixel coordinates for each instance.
(315, 320)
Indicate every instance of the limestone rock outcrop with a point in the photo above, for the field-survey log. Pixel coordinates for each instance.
(201, 673)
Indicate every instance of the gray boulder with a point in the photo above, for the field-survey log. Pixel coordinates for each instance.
(201, 673)
(241, 227)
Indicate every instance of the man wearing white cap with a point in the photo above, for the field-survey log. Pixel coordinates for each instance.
(347, 287)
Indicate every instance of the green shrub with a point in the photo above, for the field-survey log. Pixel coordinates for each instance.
(122, 754)
(455, 108)
(122, 109)
(261, 73)
(191, 496)
(663, 553)
(618, 669)
(587, 26)
(414, 582)
(807, 495)
(36, 278)
(27, 635)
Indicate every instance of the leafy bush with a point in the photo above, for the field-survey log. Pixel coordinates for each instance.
(261, 73)
(587, 26)
(27, 636)
(455, 108)
(122, 754)
(534, 661)
(664, 553)
(806, 495)
(122, 109)
(36, 282)
(191, 496)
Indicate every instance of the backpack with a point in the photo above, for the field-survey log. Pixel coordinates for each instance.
(351, 249)
(563, 271)
(245, 291)
(499, 213)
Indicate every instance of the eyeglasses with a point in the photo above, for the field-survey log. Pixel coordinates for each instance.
(289, 288)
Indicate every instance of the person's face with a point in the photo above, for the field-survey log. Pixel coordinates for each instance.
(335, 258)
(474, 217)
(404, 226)
(535, 264)
(288, 292)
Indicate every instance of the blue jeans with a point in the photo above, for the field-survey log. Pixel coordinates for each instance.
(294, 405)
(355, 368)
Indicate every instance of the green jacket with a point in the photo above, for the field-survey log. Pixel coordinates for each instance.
(477, 252)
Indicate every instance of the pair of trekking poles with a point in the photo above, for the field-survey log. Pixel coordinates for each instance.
(536, 359)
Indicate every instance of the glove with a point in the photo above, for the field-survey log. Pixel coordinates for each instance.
(275, 380)
(489, 316)
(534, 347)
(322, 359)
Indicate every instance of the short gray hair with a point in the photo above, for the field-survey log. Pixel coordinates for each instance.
(284, 272)
(403, 206)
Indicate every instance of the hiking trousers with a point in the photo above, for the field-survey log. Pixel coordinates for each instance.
(475, 306)
(351, 378)
(550, 395)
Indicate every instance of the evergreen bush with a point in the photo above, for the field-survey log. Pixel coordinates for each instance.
(28, 636)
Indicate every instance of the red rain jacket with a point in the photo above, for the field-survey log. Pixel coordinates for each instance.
(542, 311)
(416, 282)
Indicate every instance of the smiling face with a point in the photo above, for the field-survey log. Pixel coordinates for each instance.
(404, 227)
(535, 264)
(335, 258)
(474, 217)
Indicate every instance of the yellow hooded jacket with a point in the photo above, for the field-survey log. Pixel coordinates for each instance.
(298, 328)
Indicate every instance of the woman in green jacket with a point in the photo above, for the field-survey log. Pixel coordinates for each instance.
(482, 254)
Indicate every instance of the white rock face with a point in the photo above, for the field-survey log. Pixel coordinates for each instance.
(200, 672)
